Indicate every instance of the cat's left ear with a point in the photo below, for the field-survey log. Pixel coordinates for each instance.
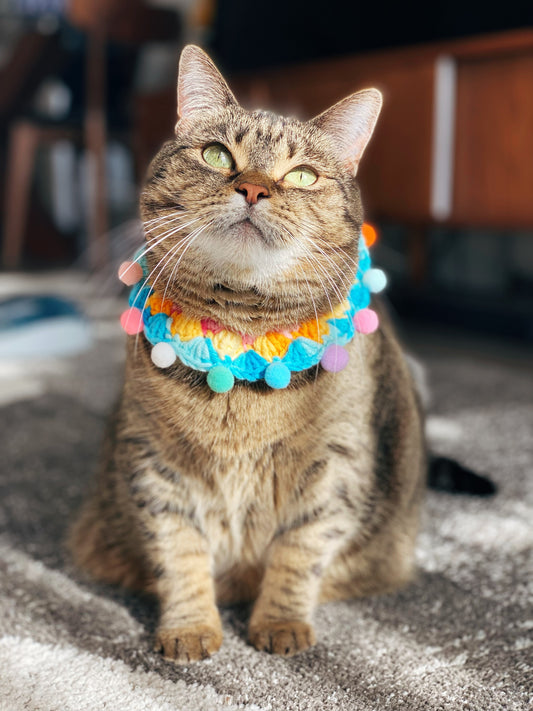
(350, 124)
(201, 87)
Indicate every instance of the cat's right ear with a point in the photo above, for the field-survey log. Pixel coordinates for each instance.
(350, 124)
(201, 87)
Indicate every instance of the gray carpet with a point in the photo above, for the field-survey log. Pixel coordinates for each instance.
(460, 637)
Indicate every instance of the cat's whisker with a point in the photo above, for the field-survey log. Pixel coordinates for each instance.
(338, 273)
(163, 262)
(147, 279)
(341, 276)
(168, 227)
(345, 278)
(357, 339)
(318, 238)
(160, 239)
(165, 259)
(334, 286)
(193, 236)
(339, 250)
(313, 259)
(317, 367)
(150, 224)
(163, 224)
(358, 342)
(186, 243)
(310, 292)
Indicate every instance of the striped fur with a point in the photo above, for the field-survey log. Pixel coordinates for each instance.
(284, 497)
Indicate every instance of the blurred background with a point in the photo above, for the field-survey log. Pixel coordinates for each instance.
(87, 95)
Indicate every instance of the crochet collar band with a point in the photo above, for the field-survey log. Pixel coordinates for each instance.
(226, 356)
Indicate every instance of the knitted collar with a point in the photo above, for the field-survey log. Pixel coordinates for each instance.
(226, 355)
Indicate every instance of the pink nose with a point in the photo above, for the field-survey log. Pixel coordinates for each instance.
(252, 192)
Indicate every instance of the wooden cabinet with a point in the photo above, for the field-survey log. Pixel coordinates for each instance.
(454, 144)
(493, 175)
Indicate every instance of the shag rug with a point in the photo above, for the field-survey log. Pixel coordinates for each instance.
(459, 637)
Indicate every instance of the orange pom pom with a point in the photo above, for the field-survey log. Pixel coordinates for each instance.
(369, 234)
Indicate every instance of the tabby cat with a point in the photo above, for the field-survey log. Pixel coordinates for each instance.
(284, 497)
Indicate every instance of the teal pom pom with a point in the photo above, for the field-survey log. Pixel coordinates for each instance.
(220, 379)
(375, 280)
(277, 375)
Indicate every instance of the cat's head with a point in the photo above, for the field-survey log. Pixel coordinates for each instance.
(253, 219)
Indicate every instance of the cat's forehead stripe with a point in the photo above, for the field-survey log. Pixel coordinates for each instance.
(267, 142)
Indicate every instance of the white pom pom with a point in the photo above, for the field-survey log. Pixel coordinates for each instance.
(375, 280)
(163, 355)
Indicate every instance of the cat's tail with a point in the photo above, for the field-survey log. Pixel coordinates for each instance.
(446, 474)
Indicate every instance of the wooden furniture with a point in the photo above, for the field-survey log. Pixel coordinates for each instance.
(454, 144)
(125, 21)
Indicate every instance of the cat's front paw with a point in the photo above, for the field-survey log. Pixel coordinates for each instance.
(287, 637)
(183, 645)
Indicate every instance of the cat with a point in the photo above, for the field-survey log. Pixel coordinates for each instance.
(280, 496)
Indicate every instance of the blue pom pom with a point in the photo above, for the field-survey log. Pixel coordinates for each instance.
(220, 379)
(277, 375)
(375, 280)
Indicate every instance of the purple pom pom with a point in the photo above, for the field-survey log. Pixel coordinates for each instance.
(335, 358)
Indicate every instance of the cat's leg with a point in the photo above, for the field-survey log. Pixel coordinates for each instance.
(178, 555)
(376, 566)
(104, 540)
(189, 627)
(166, 515)
(281, 620)
(104, 544)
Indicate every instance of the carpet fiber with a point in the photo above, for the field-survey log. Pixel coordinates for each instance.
(459, 637)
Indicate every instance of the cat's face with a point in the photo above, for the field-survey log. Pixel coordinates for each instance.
(253, 218)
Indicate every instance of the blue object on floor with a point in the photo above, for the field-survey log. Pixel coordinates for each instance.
(41, 326)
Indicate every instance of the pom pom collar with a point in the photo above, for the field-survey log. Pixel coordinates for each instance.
(226, 356)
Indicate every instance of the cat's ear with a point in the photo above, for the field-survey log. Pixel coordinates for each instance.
(350, 124)
(201, 87)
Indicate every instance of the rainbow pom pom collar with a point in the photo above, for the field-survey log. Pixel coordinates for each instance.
(226, 356)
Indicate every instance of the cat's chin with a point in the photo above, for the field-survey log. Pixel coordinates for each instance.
(242, 256)
(246, 231)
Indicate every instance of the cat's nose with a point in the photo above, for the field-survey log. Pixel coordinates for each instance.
(253, 192)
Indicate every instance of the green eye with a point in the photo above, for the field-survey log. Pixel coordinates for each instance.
(301, 177)
(217, 156)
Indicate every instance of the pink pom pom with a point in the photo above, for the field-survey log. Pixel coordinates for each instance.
(335, 358)
(366, 321)
(132, 321)
(130, 273)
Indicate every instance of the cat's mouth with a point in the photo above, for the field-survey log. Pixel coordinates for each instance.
(247, 230)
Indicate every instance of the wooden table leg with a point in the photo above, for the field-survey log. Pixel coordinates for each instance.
(95, 130)
(23, 141)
